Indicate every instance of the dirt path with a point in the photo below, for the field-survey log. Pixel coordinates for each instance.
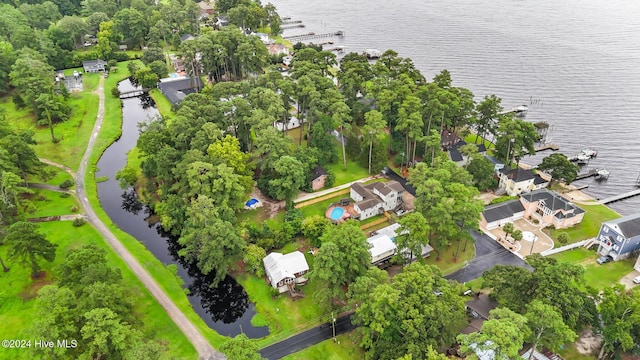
(59, 166)
(205, 350)
(50, 187)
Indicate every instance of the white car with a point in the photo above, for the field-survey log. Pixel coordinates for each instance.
(636, 280)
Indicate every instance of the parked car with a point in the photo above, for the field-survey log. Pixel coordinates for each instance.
(636, 280)
(604, 259)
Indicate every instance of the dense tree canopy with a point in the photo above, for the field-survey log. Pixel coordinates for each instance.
(560, 168)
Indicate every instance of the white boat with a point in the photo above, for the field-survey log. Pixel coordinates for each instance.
(590, 152)
(602, 174)
(521, 109)
(582, 158)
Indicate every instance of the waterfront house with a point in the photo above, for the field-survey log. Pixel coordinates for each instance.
(549, 208)
(620, 238)
(318, 177)
(517, 181)
(546, 207)
(376, 198)
(459, 158)
(94, 65)
(285, 271)
(177, 88)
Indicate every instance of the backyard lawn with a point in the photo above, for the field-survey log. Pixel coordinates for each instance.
(594, 216)
(446, 263)
(598, 276)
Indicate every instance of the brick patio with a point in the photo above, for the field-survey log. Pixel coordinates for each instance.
(524, 247)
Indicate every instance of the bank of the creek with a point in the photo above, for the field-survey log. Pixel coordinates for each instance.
(226, 308)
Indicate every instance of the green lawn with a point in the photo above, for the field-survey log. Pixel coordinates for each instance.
(446, 262)
(344, 348)
(569, 352)
(598, 276)
(50, 203)
(594, 216)
(17, 293)
(162, 104)
(353, 172)
(73, 133)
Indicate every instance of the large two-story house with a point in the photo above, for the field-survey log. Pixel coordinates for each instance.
(376, 198)
(547, 207)
(620, 238)
(517, 181)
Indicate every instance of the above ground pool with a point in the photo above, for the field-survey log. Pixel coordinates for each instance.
(336, 213)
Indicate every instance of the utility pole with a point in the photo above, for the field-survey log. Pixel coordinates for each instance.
(533, 241)
(333, 325)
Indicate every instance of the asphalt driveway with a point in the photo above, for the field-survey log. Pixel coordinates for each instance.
(488, 254)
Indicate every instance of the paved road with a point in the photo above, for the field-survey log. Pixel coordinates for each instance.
(488, 254)
(306, 339)
(205, 351)
(405, 184)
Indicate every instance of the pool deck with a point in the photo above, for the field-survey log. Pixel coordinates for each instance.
(347, 210)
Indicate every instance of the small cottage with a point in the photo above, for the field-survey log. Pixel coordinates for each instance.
(318, 177)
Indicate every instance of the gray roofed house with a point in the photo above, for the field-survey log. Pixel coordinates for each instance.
(479, 309)
(186, 37)
(176, 89)
(94, 65)
(550, 208)
(502, 213)
(518, 180)
(286, 270)
(318, 177)
(620, 238)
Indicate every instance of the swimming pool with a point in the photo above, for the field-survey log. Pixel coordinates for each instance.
(174, 75)
(336, 213)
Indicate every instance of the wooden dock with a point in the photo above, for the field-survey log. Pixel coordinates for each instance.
(588, 174)
(290, 22)
(311, 36)
(620, 197)
(289, 27)
(545, 147)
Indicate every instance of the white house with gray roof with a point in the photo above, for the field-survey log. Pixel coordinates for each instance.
(518, 181)
(620, 238)
(285, 270)
(376, 198)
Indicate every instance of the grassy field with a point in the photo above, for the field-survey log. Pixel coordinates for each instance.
(594, 216)
(598, 276)
(111, 130)
(58, 176)
(162, 104)
(344, 348)
(18, 291)
(51, 203)
(73, 133)
(353, 172)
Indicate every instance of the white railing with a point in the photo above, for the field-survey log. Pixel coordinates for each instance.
(566, 247)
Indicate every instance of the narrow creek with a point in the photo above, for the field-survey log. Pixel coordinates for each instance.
(226, 308)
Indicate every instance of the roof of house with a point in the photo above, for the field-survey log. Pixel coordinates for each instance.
(537, 180)
(628, 225)
(474, 326)
(317, 172)
(279, 266)
(502, 210)
(518, 174)
(493, 160)
(186, 37)
(540, 354)
(91, 63)
(380, 244)
(175, 89)
(482, 305)
(553, 201)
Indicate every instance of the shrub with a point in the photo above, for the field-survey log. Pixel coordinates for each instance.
(115, 92)
(77, 222)
(18, 101)
(64, 195)
(66, 184)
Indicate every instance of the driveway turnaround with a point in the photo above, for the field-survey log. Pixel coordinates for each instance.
(306, 339)
(488, 254)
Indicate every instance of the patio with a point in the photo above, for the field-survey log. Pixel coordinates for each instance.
(525, 247)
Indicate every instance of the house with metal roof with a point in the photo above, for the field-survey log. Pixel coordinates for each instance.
(518, 180)
(285, 271)
(381, 248)
(376, 198)
(391, 232)
(620, 238)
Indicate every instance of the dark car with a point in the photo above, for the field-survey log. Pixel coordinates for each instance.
(604, 259)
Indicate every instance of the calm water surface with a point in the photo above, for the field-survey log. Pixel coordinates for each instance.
(226, 308)
(575, 63)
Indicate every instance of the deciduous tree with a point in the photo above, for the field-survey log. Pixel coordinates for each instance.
(503, 335)
(547, 327)
(241, 348)
(560, 168)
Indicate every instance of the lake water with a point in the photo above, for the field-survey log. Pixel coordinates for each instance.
(226, 308)
(575, 63)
